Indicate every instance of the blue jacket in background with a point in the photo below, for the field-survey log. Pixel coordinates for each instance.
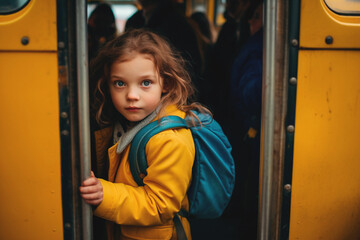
(246, 83)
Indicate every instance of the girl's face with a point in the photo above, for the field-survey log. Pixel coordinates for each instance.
(135, 87)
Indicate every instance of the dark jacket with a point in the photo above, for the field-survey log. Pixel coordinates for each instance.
(246, 83)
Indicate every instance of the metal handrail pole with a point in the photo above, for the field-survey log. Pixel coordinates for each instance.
(83, 109)
(268, 119)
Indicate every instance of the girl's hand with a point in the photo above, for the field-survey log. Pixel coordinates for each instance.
(91, 190)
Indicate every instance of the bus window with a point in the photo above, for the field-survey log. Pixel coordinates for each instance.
(200, 6)
(344, 7)
(10, 6)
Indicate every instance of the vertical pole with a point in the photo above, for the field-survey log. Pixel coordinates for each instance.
(83, 109)
(273, 118)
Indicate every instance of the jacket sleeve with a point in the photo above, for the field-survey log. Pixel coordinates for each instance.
(170, 156)
(246, 83)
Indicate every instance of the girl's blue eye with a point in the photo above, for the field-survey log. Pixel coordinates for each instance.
(119, 83)
(146, 83)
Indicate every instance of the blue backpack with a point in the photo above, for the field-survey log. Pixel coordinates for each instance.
(213, 174)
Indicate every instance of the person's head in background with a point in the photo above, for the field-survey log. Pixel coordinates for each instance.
(101, 28)
(256, 20)
(203, 24)
(236, 9)
(102, 20)
(150, 6)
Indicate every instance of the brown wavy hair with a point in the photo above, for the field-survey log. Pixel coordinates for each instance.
(168, 62)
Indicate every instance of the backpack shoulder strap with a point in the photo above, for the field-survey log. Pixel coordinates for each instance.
(137, 157)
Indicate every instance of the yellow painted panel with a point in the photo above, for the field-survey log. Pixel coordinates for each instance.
(37, 21)
(325, 200)
(30, 174)
(211, 10)
(317, 22)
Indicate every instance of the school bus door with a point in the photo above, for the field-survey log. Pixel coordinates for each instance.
(30, 177)
(325, 193)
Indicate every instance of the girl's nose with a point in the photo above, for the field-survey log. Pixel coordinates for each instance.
(133, 94)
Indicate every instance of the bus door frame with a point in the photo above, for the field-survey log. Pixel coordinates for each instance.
(74, 116)
(281, 40)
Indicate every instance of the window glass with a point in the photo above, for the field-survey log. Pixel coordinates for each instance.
(11, 6)
(219, 12)
(199, 6)
(344, 7)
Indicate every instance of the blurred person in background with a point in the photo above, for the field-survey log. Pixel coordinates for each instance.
(245, 101)
(233, 33)
(101, 28)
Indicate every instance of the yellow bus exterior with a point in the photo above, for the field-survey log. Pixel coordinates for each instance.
(325, 200)
(30, 170)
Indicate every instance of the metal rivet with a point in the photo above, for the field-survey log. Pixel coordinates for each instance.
(61, 45)
(67, 225)
(294, 42)
(293, 81)
(65, 132)
(287, 187)
(25, 40)
(290, 128)
(63, 115)
(329, 40)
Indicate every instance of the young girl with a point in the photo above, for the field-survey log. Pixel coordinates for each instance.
(140, 80)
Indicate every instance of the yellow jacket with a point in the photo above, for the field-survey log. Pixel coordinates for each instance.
(147, 212)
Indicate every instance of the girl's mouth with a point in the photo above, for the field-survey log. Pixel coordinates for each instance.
(132, 109)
